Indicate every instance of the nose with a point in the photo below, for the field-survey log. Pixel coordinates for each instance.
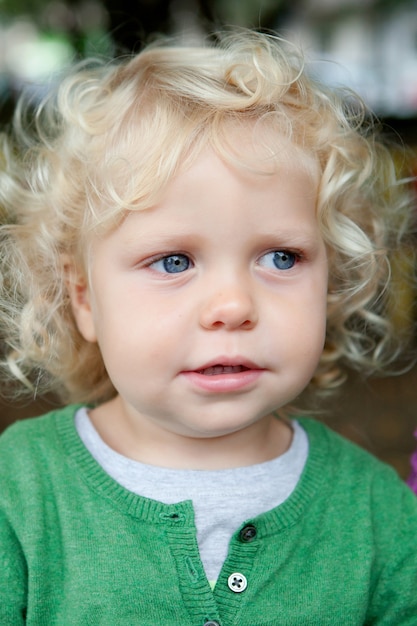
(230, 309)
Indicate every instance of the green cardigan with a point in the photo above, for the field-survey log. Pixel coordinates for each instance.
(76, 548)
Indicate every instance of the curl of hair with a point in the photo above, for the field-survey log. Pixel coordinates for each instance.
(112, 135)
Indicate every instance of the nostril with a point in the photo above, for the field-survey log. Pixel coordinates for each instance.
(247, 324)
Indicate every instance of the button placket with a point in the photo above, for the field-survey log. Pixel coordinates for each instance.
(233, 589)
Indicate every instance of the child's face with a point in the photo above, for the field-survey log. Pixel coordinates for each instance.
(210, 309)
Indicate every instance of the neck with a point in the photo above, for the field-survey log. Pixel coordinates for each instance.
(143, 441)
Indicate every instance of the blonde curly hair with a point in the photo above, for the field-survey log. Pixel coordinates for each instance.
(110, 138)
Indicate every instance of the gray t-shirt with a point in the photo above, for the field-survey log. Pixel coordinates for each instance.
(222, 499)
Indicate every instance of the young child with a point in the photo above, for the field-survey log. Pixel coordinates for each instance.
(190, 239)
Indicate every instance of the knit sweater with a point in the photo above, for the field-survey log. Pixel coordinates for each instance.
(76, 548)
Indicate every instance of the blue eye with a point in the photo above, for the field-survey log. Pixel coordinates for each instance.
(279, 260)
(172, 264)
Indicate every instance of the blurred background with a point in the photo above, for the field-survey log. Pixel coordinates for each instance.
(369, 45)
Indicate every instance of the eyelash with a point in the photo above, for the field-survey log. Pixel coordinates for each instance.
(279, 255)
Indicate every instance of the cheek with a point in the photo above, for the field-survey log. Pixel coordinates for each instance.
(307, 321)
(136, 335)
(315, 318)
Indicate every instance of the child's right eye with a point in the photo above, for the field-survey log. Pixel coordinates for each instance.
(171, 264)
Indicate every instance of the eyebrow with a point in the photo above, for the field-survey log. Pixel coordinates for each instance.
(162, 239)
(287, 238)
(297, 235)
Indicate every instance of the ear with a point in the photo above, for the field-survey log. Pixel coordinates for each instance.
(80, 299)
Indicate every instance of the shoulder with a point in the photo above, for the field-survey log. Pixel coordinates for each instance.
(352, 475)
(337, 450)
(34, 430)
(30, 446)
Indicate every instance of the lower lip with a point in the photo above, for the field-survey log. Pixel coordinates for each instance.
(224, 383)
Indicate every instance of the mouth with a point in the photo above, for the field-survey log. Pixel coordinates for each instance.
(219, 369)
(225, 376)
(223, 365)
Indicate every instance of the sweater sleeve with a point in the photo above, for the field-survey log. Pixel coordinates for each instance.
(394, 599)
(13, 585)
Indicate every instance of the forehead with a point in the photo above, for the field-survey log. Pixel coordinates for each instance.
(245, 172)
(256, 149)
(213, 196)
(265, 145)
(251, 164)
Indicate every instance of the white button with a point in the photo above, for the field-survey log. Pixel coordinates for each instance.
(237, 582)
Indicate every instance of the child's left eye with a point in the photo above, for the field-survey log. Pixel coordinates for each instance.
(172, 264)
(278, 260)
